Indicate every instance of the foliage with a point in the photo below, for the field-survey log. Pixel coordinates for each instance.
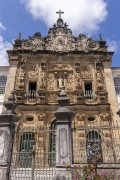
(88, 172)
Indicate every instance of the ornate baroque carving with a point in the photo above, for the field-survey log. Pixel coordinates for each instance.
(51, 82)
(34, 43)
(52, 98)
(59, 39)
(80, 117)
(43, 79)
(69, 84)
(63, 67)
(78, 81)
(41, 117)
(105, 117)
(86, 72)
(32, 71)
(20, 77)
(99, 80)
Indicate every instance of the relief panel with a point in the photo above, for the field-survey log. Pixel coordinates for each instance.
(63, 142)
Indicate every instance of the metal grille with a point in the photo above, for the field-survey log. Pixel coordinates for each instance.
(34, 159)
(89, 94)
(3, 80)
(97, 143)
(117, 85)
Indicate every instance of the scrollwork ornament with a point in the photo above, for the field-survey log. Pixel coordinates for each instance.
(92, 45)
(33, 43)
(20, 77)
(99, 80)
(41, 117)
(51, 82)
(80, 117)
(86, 72)
(32, 71)
(52, 98)
(70, 82)
(105, 116)
(78, 81)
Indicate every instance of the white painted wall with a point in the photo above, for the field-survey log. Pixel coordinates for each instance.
(116, 73)
(3, 72)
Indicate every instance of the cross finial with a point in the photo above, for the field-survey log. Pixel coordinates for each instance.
(60, 12)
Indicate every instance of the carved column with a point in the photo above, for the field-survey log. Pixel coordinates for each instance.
(7, 129)
(63, 135)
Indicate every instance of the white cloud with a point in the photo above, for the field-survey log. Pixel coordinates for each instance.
(4, 45)
(2, 27)
(82, 16)
(113, 46)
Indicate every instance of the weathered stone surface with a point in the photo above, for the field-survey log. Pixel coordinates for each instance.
(52, 63)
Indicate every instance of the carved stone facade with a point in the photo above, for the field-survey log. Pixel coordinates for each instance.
(42, 67)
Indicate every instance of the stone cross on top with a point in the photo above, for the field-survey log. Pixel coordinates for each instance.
(60, 12)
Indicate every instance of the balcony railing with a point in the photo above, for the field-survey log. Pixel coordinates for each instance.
(31, 94)
(89, 95)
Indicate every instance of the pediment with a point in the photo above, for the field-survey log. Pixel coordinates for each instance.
(59, 39)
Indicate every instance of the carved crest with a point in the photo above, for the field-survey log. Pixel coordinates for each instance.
(86, 72)
(32, 71)
(59, 39)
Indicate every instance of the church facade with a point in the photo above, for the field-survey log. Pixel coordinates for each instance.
(47, 74)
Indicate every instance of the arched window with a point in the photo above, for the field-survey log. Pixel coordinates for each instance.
(117, 85)
(93, 148)
(3, 80)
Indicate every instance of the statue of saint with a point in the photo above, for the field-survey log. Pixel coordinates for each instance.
(61, 82)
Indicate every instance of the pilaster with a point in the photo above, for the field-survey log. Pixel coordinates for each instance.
(8, 120)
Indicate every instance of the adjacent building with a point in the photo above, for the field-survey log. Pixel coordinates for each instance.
(3, 80)
(116, 78)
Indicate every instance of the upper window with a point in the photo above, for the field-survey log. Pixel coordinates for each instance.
(3, 80)
(88, 90)
(88, 86)
(117, 85)
(32, 86)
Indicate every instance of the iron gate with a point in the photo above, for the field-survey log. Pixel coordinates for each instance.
(33, 156)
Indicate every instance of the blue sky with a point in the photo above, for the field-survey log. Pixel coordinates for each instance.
(90, 17)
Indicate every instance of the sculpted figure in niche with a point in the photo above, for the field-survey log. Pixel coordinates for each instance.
(99, 80)
(61, 82)
(43, 78)
(99, 76)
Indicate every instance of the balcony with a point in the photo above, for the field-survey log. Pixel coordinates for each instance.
(31, 94)
(30, 97)
(89, 94)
